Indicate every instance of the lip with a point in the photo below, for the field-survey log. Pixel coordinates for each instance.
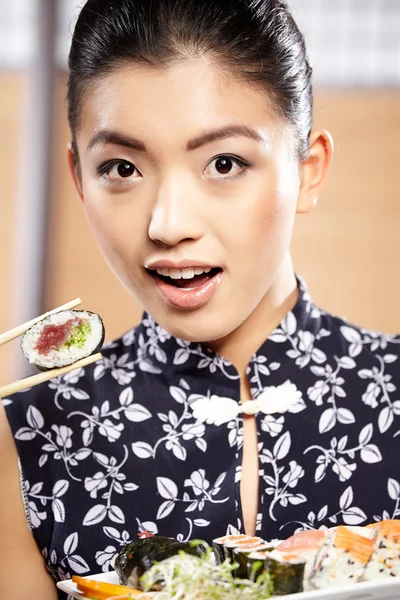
(179, 264)
(187, 298)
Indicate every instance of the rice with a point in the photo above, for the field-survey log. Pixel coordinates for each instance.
(63, 338)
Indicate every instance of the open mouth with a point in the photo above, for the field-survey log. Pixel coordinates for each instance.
(186, 279)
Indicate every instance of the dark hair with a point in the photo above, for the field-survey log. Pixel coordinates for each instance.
(257, 39)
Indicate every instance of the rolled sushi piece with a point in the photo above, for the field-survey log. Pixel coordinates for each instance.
(341, 559)
(241, 556)
(286, 570)
(306, 544)
(218, 547)
(224, 547)
(255, 563)
(385, 559)
(138, 556)
(63, 338)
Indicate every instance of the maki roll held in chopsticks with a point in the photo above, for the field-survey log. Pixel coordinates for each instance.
(341, 559)
(63, 338)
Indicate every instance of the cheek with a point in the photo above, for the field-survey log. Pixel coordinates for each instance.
(103, 225)
(262, 230)
(273, 209)
(113, 224)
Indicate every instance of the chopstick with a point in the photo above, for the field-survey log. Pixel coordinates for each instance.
(17, 331)
(23, 384)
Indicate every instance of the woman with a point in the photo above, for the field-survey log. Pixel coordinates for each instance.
(236, 403)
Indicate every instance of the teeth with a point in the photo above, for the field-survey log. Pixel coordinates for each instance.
(175, 273)
(187, 273)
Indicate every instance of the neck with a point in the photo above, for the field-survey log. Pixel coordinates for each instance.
(239, 346)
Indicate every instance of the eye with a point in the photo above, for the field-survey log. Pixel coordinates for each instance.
(118, 169)
(226, 166)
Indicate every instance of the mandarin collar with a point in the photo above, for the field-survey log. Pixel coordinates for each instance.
(284, 349)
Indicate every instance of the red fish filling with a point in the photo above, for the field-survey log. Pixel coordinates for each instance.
(54, 336)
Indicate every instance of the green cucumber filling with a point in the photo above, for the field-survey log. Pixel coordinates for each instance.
(79, 334)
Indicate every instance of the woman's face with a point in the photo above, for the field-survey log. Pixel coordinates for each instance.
(190, 184)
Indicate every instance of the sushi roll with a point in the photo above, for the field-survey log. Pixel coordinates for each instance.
(232, 548)
(385, 559)
(241, 555)
(224, 546)
(286, 570)
(306, 544)
(63, 338)
(138, 556)
(255, 563)
(341, 559)
(244, 540)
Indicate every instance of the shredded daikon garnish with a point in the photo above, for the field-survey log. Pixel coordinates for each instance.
(186, 577)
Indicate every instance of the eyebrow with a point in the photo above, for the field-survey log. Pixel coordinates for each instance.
(222, 133)
(107, 136)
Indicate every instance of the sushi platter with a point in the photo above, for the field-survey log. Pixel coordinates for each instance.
(388, 589)
(342, 563)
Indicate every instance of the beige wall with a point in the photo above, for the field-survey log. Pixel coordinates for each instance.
(348, 249)
(11, 92)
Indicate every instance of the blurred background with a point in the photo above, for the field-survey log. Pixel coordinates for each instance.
(348, 249)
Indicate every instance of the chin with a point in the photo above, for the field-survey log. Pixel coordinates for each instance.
(195, 326)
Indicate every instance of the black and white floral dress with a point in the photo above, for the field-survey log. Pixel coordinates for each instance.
(114, 448)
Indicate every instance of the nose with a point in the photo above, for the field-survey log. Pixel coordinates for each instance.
(176, 214)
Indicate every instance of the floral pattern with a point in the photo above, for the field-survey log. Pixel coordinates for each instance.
(116, 448)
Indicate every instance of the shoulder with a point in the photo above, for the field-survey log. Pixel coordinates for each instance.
(367, 361)
(359, 341)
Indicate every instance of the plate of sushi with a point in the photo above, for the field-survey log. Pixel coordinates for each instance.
(342, 563)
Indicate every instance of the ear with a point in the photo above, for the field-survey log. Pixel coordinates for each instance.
(74, 169)
(315, 169)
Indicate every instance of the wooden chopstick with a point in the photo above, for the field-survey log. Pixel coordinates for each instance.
(23, 384)
(17, 331)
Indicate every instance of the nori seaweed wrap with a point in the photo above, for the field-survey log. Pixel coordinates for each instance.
(287, 572)
(255, 563)
(241, 555)
(223, 546)
(218, 547)
(138, 556)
